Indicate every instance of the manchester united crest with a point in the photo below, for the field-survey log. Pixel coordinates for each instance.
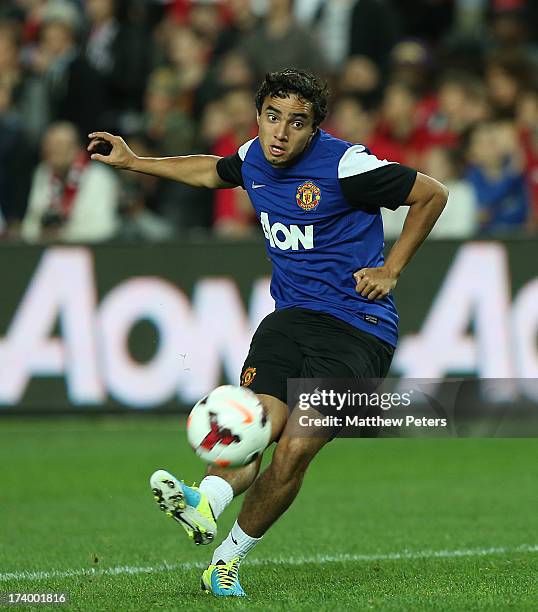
(248, 377)
(308, 195)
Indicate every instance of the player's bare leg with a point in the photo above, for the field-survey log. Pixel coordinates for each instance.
(274, 491)
(241, 478)
(268, 498)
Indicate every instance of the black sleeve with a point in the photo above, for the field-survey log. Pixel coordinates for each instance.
(229, 170)
(387, 186)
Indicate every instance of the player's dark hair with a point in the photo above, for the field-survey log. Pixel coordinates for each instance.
(302, 83)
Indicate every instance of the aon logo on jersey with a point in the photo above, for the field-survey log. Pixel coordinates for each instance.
(286, 238)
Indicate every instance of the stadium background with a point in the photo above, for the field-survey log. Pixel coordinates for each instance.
(155, 327)
(139, 300)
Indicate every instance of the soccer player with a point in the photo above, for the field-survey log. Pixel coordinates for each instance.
(318, 200)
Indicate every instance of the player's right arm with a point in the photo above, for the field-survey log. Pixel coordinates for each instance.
(195, 170)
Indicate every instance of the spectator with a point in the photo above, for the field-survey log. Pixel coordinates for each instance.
(351, 120)
(233, 214)
(398, 136)
(205, 20)
(103, 31)
(461, 102)
(72, 199)
(157, 209)
(22, 90)
(513, 25)
(29, 13)
(330, 19)
(230, 71)
(163, 129)
(187, 56)
(243, 21)
(507, 74)
(15, 161)
(16, 127)
(140, 196)
(121, 53)
(10, 67)
(496, 174)
(170, 130)
(527, 124)
(234, 71)
(72, 90)
(469, 18)
(411, 63)
(375, 29)
(360, 77)
(213, 124)
(458, 220)
(279, 43)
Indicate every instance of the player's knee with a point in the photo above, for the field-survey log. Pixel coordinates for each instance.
(278, 413)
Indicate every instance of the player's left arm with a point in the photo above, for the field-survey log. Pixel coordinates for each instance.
(426, 201)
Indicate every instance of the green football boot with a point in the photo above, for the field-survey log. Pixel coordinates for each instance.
(222, 579)
(187, 505)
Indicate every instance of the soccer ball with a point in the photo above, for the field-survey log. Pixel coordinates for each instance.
(228, 427)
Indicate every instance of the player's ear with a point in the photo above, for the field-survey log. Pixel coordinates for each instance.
(258, 118)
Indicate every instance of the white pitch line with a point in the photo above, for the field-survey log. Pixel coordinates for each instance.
(318, 559)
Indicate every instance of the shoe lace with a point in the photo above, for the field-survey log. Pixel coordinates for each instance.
(227, 574)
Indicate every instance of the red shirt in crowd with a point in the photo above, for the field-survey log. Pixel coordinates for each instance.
(227, 206)
(529, 143)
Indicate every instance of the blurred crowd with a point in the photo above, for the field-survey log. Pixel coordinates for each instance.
(447, 86)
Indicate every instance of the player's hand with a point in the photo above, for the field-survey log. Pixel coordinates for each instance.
(374, 283)
(119, 155)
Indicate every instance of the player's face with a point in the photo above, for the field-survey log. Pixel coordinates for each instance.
(285, 128)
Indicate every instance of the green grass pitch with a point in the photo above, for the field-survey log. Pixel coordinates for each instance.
(379, 524)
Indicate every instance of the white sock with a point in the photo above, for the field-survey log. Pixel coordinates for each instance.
(219, 493)
(237, 544)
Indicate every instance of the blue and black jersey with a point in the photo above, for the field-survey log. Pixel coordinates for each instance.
(321, 220)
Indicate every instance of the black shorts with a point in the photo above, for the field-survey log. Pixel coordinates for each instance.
(302, 343)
